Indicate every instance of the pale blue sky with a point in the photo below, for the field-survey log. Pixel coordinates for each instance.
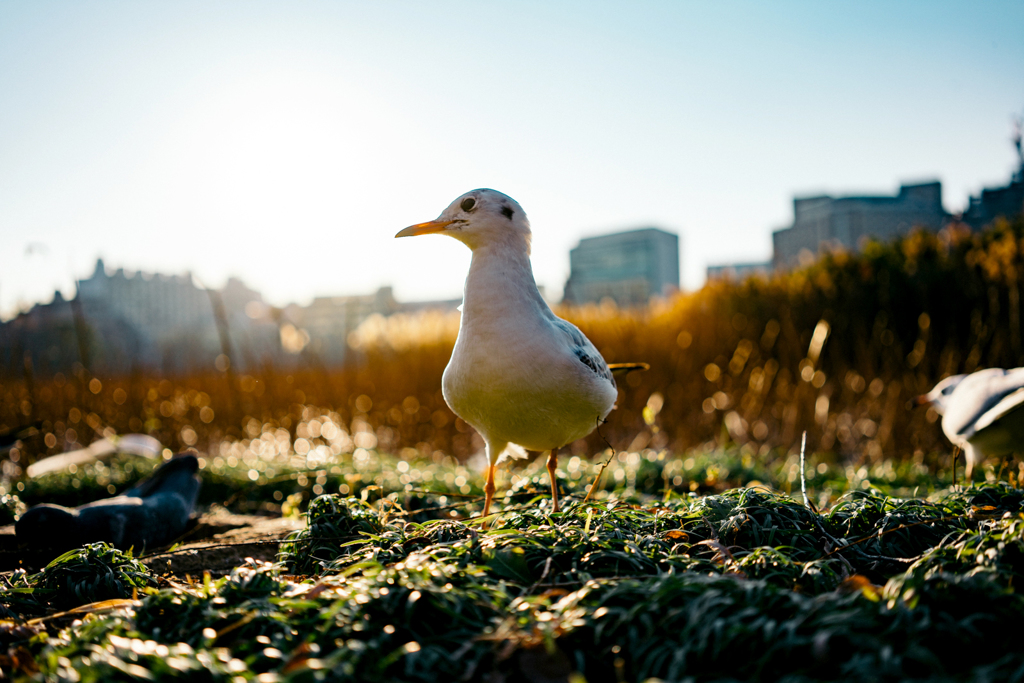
(286, 142)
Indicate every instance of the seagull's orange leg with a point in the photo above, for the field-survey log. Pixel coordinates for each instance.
(489, 489)
(552, 464)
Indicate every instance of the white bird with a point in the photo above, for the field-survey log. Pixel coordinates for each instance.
(981, 412)
(518, 374)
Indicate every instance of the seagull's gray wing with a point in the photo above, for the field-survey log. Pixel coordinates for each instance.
(584, 350)
(1009, 404)
(976, 396)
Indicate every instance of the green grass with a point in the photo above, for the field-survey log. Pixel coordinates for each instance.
(396, 581)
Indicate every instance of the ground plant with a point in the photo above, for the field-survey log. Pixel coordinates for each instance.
(393, 581)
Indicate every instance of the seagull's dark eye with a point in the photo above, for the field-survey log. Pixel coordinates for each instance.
(468, 203)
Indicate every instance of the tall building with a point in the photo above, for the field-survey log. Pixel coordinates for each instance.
(846, 222)
(629, 267)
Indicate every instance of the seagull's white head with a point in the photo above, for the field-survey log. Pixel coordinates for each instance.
(479, 218)
(940, 393)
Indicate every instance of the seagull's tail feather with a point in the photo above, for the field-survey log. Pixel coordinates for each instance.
(513, 452)
(618, 368)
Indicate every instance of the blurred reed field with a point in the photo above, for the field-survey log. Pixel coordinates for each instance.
(836, 348)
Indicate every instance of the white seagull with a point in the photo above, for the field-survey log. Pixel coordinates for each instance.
(518, 374)
(981, 412)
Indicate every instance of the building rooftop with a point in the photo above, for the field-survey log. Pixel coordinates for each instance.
(628, 267)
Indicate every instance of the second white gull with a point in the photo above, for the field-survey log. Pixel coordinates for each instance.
(982, 413)
(518, 374)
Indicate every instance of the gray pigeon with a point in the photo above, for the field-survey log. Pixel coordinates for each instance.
(981, 412)
(151, 514)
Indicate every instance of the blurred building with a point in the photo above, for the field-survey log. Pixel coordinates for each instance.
(993, 203)
(325, 324)
(737, 272)
(847, 222)
(118, 323)
(51, 338)
(171, 317)
(628, 267)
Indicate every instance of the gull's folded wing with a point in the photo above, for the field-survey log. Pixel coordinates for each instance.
(1010, 403)
(975, 396)
(585, 351)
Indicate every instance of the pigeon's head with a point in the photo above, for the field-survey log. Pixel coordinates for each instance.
(938, 397)
(479, 218)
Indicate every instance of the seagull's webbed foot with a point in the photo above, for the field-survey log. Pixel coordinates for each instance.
(552, 464)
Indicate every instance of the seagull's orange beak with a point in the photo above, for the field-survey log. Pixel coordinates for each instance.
(424, 228)
(918, 401)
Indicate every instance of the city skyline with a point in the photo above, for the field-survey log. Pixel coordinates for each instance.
(286, 147)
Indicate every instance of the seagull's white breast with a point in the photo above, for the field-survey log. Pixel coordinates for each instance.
(527, 394)
(515, 375)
